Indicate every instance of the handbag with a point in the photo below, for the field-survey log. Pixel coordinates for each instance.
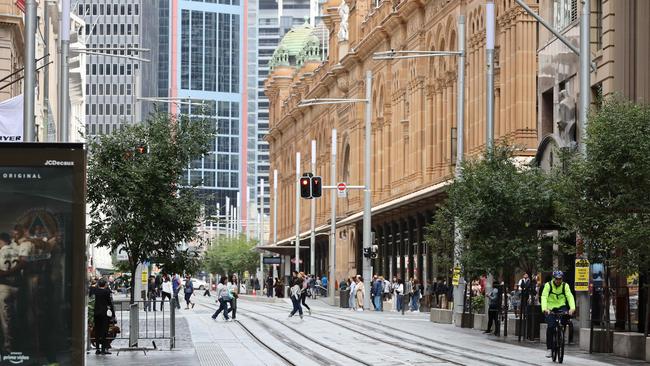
(109, 313)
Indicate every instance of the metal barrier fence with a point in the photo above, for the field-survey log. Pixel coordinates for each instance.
(138, 322)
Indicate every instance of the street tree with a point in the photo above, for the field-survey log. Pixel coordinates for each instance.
(604, 195)
(136, 193)
(232, 255)
(498, 207)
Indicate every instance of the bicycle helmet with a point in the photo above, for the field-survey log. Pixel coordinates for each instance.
(558, 274)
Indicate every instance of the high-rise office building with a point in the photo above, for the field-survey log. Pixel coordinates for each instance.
(207, 74)
(275, 19)
(119, 39)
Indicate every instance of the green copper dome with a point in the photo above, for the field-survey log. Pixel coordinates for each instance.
(292, 45)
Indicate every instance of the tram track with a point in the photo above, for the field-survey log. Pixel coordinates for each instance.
(289, 342)
(398, 345)
(382, 329)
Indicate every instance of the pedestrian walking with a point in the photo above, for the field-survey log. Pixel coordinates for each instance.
(188, 291)
(416, 294)
(151, 295)
(222, 298)
(233, 291)
(408, 292)
(493, 309)
(176, 287)
(386, 287)
(296, 287)
(269, 286)
(360, 288)
(103, 313)
(399, 294)
(303, 294)
(167, 290)
(353, 293)
(378, 291)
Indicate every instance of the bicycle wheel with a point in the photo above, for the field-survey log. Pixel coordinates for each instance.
(554, 349)
(560, 350)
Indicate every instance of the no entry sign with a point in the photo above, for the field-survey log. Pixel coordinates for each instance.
(342, 190)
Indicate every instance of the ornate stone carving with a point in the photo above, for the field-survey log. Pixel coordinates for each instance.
(344, 13)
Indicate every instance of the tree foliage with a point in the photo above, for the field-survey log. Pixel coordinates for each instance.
(232, 255)
(499, 207)
(135, 192)
(605, 194)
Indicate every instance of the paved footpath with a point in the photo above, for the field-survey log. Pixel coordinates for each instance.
(332, 334)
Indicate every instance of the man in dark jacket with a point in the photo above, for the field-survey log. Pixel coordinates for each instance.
(103, 302)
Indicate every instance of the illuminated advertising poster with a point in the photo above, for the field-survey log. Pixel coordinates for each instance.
(41, 254)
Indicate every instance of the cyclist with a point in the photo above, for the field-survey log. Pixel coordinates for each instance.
(556, 297)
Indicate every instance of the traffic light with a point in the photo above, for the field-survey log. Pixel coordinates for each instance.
(366, 252)
(316, 187)
(374, 254)
(305, 187)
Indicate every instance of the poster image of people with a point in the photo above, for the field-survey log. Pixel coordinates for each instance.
(36, 206)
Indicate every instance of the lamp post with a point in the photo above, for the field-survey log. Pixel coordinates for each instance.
(460, 120)
(367, 204)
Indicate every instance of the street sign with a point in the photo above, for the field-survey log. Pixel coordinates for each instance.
(342, 190)
(456, 278)
(582, 275)
(271, 260)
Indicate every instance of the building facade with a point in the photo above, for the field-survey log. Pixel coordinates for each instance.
(274, 20)
(620, 48)
(207, 43)
(114, 49)
(413, 120)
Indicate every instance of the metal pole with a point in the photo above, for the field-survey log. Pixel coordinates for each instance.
(227, 217)
(30, 71)
(297, 185)
(46, 72)
(367, 204)
(585, 100)
(459, 290)
(332, 260)
(275, 206)
(261, 237)
(490, 74)
(64, 98)
(312, 239)
(238, 214)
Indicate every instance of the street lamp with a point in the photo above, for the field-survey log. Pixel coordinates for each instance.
(460, 116)
(367, 205)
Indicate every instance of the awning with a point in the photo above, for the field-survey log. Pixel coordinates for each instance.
(409, 198)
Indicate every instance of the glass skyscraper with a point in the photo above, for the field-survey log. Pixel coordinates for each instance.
(206, 68)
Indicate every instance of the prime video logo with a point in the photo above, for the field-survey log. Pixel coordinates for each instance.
(15, 358)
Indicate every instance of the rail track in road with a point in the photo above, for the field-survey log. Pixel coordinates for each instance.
(300, 348)
(486, 358)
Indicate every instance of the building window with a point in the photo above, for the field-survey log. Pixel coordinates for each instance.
(596, 25)
(185, 50)
(197, 51)
(564, 13)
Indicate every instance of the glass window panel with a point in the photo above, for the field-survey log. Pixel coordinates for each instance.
(209, 162)
(211, 51)
(185, 49)
(197, 51)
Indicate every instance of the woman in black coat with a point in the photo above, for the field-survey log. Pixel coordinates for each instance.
(103, 302)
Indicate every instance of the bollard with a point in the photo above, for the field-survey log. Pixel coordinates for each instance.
(172, 326)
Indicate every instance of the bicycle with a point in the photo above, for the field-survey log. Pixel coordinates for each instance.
(557, 350)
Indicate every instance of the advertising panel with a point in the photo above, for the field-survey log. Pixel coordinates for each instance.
(42, 254)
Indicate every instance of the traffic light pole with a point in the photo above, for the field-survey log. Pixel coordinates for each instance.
(332, 260)
(297, 255)
(367, 206)
(490, 30)
(312, 239)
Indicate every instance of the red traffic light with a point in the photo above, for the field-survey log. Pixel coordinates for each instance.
(305, 187)
(316, 187)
